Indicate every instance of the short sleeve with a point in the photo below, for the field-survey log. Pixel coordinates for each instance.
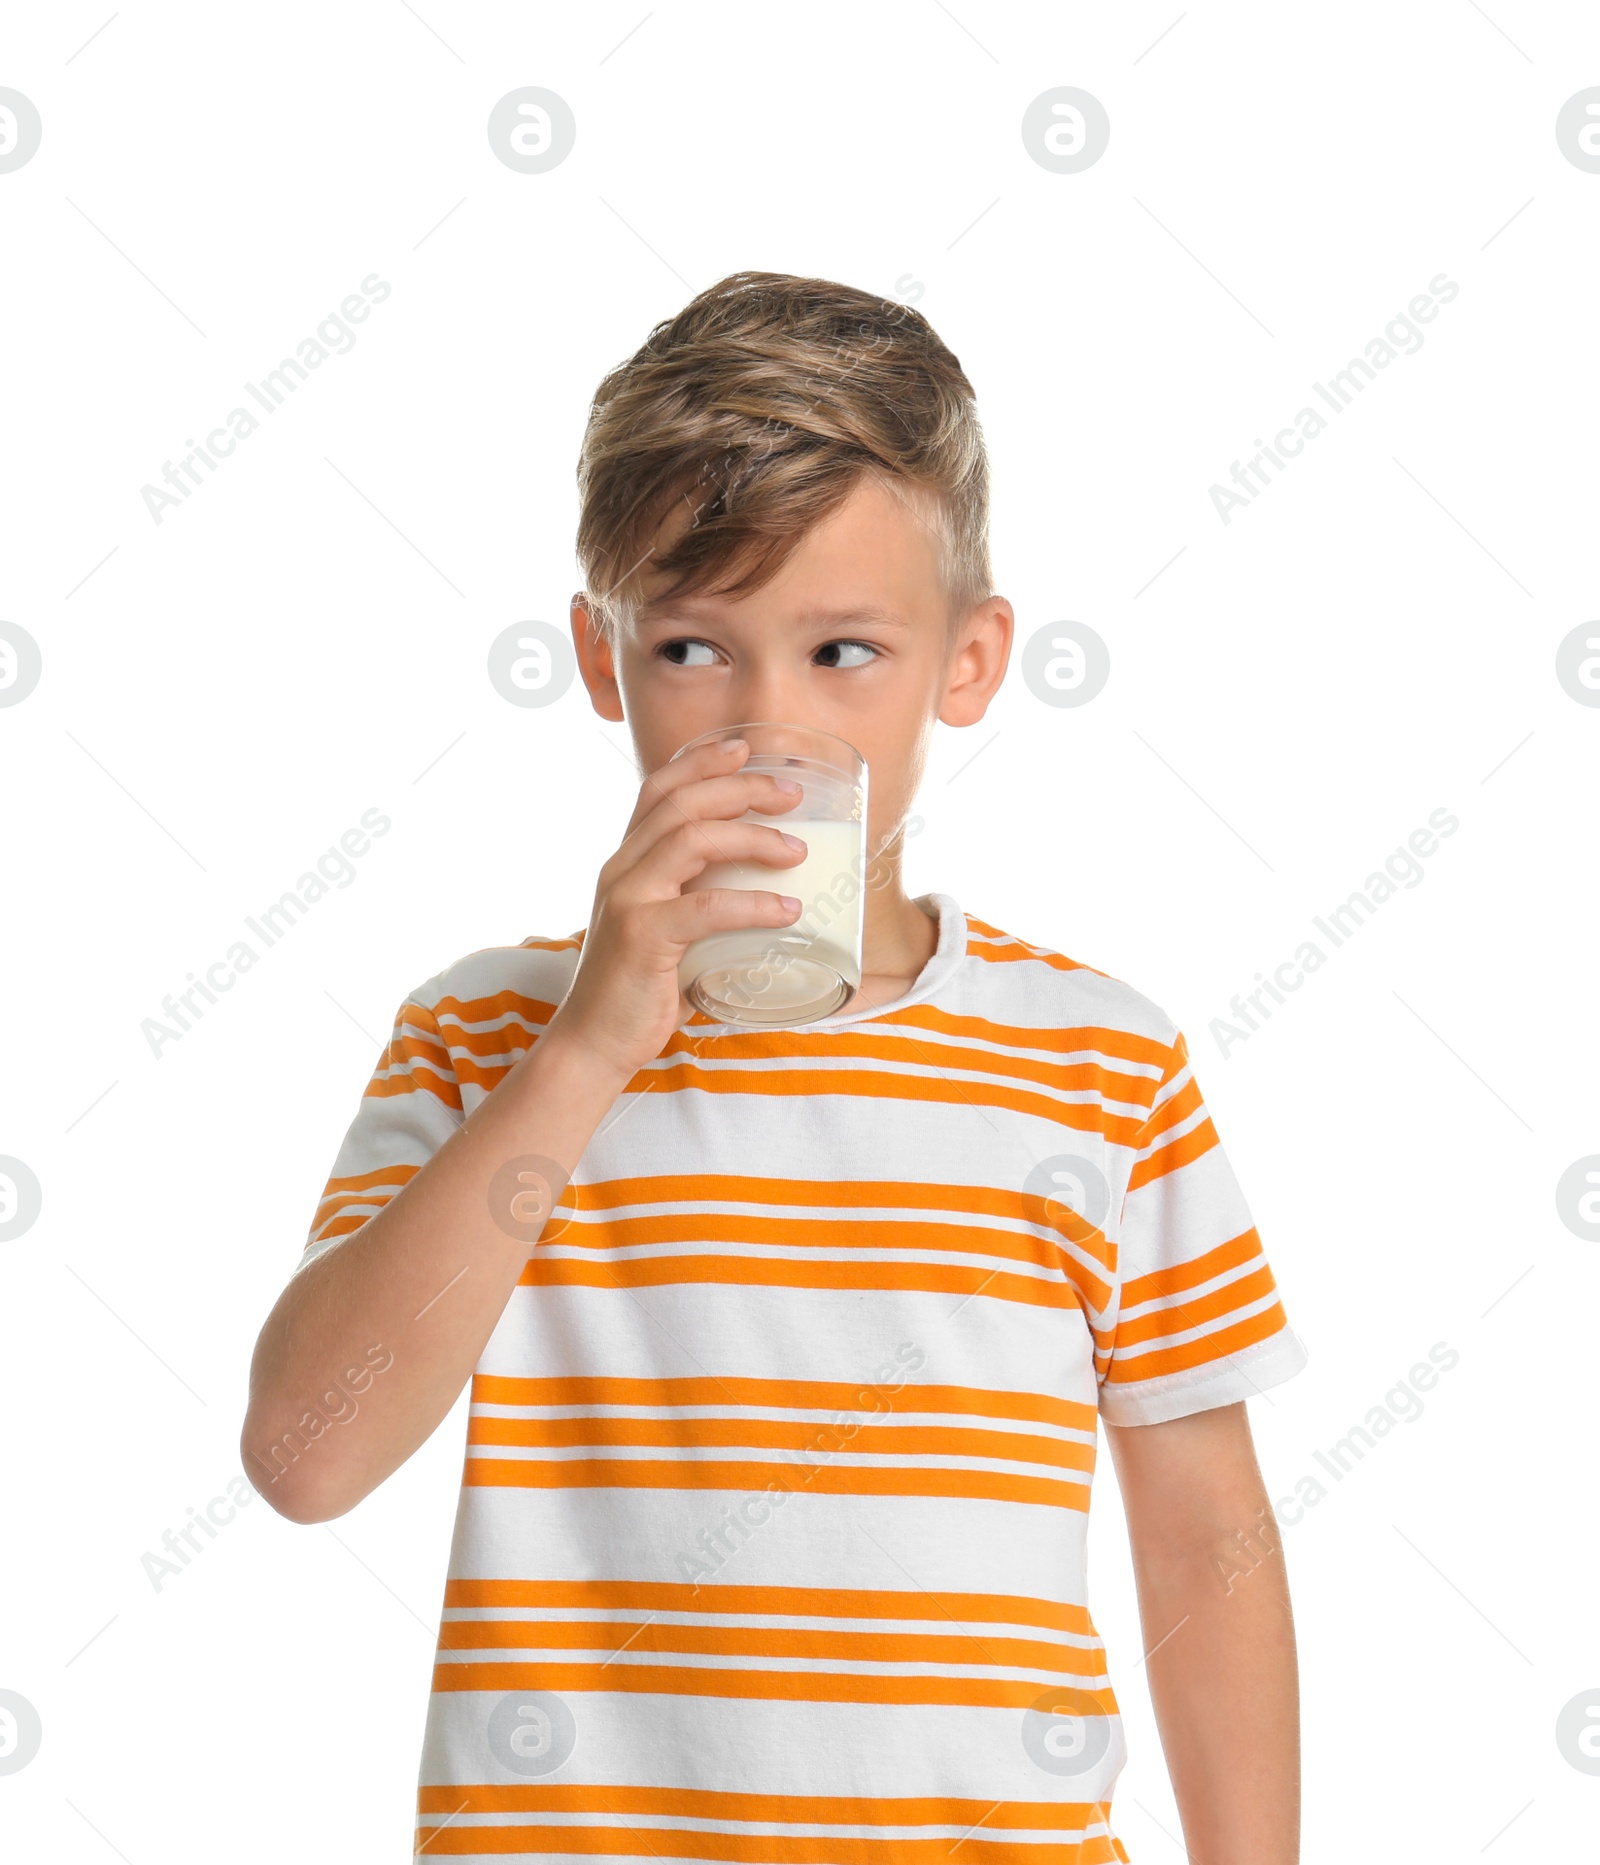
(1198, 1322)
(409, 1109)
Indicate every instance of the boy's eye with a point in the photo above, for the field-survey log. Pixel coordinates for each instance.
(678, 652)
(828, 646)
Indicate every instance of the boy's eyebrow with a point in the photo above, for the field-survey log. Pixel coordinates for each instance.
(686, 609)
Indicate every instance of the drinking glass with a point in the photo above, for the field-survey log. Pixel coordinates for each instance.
(772, 977)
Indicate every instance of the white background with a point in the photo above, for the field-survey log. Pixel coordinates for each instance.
(226, 692)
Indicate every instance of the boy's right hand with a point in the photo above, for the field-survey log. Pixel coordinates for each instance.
(624, 1002)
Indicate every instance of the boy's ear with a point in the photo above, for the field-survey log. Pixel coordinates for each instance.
(595, 662)
(978, 661)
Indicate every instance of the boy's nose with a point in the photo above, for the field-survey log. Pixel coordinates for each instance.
(773, 705)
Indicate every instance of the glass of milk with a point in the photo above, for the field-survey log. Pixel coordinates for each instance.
(771, 977)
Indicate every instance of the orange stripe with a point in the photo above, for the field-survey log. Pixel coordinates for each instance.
(911, 1195)
(1008, 948)
(509, 1008)
(337, 1205)
(418, 1055)
(1199, 1139)
(544, 1271)
(1138, 1052)
(884, 1085)
(888, 1040)
(1232, 1254)
(773, 1642)
(334, 1216)
(699, 1188)
(507, 1001)
(1199, 1352)
(824, 1479)
(420, 1079)
(800, 1602)
(693, 1680)
(701, 1803)
(1195, 1312)
(804, 1394)
(405, 1049)
(1180, 1105)
(359, 1186)
(774, 1434)
(455, 1841)
(342, 1227)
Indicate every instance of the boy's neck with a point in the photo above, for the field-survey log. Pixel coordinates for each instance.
(897, 941)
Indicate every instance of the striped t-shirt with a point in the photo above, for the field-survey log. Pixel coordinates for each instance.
(770, 1539)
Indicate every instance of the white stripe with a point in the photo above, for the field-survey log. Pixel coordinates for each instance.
(777, 1622)
(686, 1823)
(872, 1065)
(780, 1210)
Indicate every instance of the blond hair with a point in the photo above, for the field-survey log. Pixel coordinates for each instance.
(760, 406)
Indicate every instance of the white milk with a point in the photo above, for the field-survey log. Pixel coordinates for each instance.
(784, 961)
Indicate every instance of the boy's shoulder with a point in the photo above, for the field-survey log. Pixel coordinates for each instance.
(1035, 986)
(499, 980)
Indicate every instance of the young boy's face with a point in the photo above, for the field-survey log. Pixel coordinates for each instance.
(851, 636)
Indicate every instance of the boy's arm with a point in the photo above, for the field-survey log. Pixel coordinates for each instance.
(1214, 1604)
(425, 1280)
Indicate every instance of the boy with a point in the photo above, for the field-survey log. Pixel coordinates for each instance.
(789, 1347)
